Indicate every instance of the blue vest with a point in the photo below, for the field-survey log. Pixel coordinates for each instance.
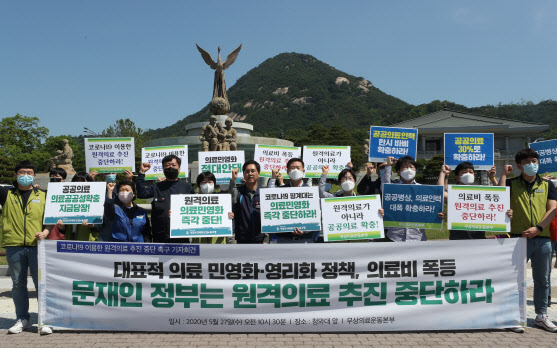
(123, 231)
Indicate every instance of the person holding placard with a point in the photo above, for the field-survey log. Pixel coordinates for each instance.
(406, 168)
(533, 201)
(22, 227)
(129, 222)
(368, 187)
(161, 192)
(246, 205)
(346, 178)
(464, 175)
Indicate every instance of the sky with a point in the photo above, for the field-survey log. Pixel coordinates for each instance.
(76, 64)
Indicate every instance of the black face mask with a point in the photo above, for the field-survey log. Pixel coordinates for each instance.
(171, 173)
(55, 179)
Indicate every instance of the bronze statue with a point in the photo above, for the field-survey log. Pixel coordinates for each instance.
(219, 103)
(230, 136)
(209, 135)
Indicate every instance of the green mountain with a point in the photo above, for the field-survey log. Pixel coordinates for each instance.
(292, 91)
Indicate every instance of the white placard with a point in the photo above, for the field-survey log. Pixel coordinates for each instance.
(73, 202)
(154, 156)
(274, 156)
(109, 155)
(315, 157)
(200, 215)
(221, 163)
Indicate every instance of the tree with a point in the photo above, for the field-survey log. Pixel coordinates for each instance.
(126, 128)
(21, 134)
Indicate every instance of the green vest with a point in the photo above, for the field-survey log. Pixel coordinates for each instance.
(528, 208)
(19, 223)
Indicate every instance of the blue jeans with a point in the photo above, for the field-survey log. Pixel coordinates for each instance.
(553, 251)
(538, 251)
(19, 258)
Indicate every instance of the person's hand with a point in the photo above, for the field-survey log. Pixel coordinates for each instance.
(87, 224)
(510, 213)
(274, 172)
(161, 178)
(37, 186)
(369, 169)
(445, 169)
(350, 165)
(547, 176)
(234, 175)
(41, 235)
(231, 216)
(325, 170)
(129, 174)
(391, 160)
(531, 232)
(144, 167)
(110, 187)
(93, 174)
(507, 169)
(491, 173)
(382, 212)
(280, 179)
(298, 232)
(169, 212)
(442, 215)
(60, 225)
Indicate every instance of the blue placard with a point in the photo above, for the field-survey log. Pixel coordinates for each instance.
(476, 148)
(395, 142)
(412, 206)
(547, 150)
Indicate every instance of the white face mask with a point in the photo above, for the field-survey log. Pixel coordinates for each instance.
(125, 197)
(408, 174)
(296, 174)
(207, 188)
(467, 178)
(224, 187)
(347, 186)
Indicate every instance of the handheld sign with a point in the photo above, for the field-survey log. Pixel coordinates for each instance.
(221, 163)
(154, 156)
(272, 156)
(73, 202)
(478, 208)
(284, 209)
(352, 217)
(315, 157)
(200, 215)
(109, 155)
(413, 206)
(547, 150)
(476, 148)
(392, 142)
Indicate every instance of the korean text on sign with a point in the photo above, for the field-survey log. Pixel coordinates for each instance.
(109, 155)
(155, 155)
(315, 157)
(74, 202)
(271, 157)
(392, 142)
(413, 206)
(221, 163)
(476, 148)
(200, 215)
(284, 209)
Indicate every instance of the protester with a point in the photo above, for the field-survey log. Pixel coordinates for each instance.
(161, 192)
(57, 175)
(22, 220)
(246, 205)
(533, 201)
(130, 223)
(368, 187)
(346, 179)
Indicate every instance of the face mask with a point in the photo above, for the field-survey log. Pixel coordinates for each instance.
(207, 188)
(381, 171)
(125, 197)
(171, 173)
(296, 174)
(110, 177)
(408, 174)
(224, 187)
(25, 180)
(530, 169)
(55, 179)
(347, 186)
(467, 179)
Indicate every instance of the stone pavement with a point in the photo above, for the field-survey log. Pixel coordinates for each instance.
(533, 337)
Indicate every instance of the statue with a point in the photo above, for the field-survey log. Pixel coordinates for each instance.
(230, 136)
(209, 135)
(63, 159)
(219, 103)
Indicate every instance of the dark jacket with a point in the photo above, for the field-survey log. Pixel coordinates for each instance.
(247, 216)
(161, 192)
(368, 187)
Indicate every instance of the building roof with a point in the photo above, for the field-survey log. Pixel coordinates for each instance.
(447, 121)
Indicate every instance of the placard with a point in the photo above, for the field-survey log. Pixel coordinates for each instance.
(284, 209)
(413, 206)
(392, 142)
(476, 148)
(73, 202)
(315, 157)
(221, 163)
(547, 150)
(200, 215)
(154, 156)
(352, 217)
(478, 208)
(273, 156)
(109, 155)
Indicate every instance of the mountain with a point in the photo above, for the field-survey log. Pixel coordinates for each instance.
(292, 91)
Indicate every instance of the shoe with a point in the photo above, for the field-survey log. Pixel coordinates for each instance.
(543, 321)
(45, 330)
(20, 325)
(517, 329)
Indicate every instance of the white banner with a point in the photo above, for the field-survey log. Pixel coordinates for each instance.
(274, 156)
(287, 208)
(109, 155)
(154, 156)
(221, 163)
(478, 208)
(444, 285)
(73, 202)
(315, 157)
(352, 217)
(200, 215)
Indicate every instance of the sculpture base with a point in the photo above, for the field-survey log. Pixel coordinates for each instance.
(67, 167)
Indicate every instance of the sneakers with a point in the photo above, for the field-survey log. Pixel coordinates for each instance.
(20, 325)
(517, 329)
(543, 321)
(45, 330)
